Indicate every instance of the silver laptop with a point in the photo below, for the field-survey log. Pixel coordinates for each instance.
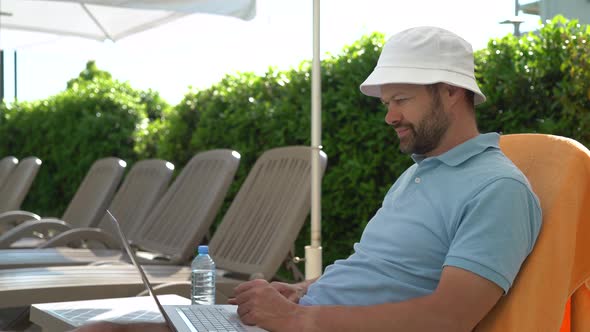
(189, 318)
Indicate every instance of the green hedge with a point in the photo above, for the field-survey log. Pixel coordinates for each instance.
(94, 117)
(537, 83)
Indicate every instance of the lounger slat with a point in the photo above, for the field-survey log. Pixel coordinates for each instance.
(261, 225)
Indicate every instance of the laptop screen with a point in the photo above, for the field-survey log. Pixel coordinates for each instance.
(144, 278)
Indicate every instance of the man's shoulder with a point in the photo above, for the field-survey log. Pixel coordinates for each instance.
(489, 169)
(494, 164)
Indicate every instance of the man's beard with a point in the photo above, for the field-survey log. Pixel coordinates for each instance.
(426, 135)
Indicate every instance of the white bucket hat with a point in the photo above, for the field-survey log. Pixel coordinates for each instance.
(424, 55)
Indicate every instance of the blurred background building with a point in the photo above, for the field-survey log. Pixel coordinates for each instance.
(547, 9)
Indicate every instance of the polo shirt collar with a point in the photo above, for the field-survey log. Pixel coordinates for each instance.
(464, 151)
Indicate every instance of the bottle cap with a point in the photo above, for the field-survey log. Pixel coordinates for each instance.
(203, 250)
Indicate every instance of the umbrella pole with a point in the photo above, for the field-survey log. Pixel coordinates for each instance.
(1, 76)
(313, 252)
(15, 78)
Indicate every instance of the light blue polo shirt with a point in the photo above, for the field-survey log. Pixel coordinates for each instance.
(469, 207)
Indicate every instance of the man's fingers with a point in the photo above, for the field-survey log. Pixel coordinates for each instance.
(248, 319)
(251, 295)
(249, 284)
(279, 285)
(294, 298)
(251, 299)
(247, 313)
(242, 310)
(290, 292)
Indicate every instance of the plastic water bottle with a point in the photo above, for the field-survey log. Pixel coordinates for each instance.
(203, 278)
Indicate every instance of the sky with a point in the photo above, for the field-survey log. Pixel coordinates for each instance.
(198, 50)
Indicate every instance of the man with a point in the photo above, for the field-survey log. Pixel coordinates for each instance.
(453, 230)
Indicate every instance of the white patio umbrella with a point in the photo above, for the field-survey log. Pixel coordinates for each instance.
(116, 19)
(110, 19)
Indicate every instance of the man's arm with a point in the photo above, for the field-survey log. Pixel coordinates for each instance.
(460, 301)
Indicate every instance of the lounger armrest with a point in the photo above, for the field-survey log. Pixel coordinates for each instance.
(78, 236)
(11, 218)
(108, 262)
(176, 259)
(219, 273)
(33, 228)
(257, 275)
(148, 257)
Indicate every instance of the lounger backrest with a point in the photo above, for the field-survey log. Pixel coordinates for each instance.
(95, 193)
(140, 191)
(558, 169)
(15, 189)
(263, 221)
(180, 221)
(7, 164)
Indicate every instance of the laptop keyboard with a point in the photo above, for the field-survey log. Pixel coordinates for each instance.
(207, 319)
(140, 316)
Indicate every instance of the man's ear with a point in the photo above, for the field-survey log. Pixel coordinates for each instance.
(452, 94)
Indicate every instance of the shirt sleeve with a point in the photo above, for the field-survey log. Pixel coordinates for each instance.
(496, 231)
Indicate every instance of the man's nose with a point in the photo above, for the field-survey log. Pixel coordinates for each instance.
(392, 116)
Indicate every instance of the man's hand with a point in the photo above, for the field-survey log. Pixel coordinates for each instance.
(262, 304)
(292, 292)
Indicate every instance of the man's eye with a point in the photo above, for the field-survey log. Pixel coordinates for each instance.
(395, 100)
(399, 100)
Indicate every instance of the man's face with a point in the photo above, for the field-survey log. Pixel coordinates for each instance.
(417, 115)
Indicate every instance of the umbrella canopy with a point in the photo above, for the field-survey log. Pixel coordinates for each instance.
(110, 19)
